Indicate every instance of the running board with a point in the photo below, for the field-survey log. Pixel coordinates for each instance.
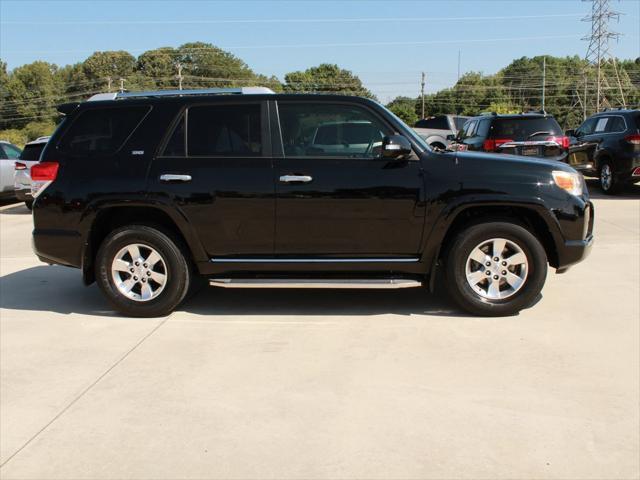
(312, 283)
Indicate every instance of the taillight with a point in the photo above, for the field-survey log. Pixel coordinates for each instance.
(636, 172)
(491, 145)
(42, 174)
(633, 139)
(20, 166)
(563, 141)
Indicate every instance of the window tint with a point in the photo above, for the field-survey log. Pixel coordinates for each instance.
(459, 122)
(637, 117)
(587, 127)
(32, 152)
(176, 145)
(11, 151)
(234, 130)
(525, 128)
(436, 123)
(483, 128)
(616, 124)
(330, 130)
(102, 130)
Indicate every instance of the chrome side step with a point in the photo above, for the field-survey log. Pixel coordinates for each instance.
(312, 283)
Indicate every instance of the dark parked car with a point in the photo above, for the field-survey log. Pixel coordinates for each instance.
(149, 192)
(528, 134)
(607, 145)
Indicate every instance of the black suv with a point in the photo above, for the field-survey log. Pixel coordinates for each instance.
(607, 145)
(149, 193)
(528, 134)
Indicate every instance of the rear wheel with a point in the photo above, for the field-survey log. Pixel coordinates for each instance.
(495, 268)
(609, 182)
(143, 271)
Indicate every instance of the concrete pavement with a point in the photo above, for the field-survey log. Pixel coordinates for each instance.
(320, 383)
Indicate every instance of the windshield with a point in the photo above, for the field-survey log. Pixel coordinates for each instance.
(32, 152)
(408, 131)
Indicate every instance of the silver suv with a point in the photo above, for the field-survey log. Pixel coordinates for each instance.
(440, 130)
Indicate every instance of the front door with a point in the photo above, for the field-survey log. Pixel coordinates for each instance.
(216, 169)
(336, 197)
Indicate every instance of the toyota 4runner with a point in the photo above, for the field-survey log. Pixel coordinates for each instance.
(152, 193)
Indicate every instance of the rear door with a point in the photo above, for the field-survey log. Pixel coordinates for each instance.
(216, 168)
(342, 200)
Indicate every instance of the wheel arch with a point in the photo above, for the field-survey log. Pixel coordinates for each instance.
(532, 217)
(107, 218)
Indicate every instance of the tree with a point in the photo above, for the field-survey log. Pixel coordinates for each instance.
(114, 64)
(325, 78)
(404, 107)
(33, 90)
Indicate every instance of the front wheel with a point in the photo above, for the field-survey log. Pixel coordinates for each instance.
(143, 271)
(495, 269)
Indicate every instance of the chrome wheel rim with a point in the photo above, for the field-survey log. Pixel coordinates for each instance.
(605, 177)
(497, 268)
(139, 272)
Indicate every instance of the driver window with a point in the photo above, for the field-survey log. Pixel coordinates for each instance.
(330, 130)
(587, 127)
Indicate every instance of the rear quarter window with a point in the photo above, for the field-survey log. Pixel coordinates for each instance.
(523, 128)
(102, 131)
(435, 123)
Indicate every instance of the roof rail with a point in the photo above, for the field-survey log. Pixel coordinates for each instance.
(489, 113)
(180, 93)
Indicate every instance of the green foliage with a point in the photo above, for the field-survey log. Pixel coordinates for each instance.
(404, 107)
(325, 78)
(14, 135)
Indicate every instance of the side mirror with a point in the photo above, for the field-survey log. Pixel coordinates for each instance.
(395, 146)
(570, 133)
(451, 137)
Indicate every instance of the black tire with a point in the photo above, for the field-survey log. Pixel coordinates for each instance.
(178, 270)
(456, 262)
(29, 204)
(610, 183)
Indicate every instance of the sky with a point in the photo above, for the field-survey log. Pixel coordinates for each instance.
(386, 43)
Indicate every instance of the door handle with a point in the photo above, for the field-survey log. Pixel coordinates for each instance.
(295, 178)
(170, 177)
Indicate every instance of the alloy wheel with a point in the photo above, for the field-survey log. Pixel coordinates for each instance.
(497, 268)
(139, 272)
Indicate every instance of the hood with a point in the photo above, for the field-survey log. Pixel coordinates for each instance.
(512, 161)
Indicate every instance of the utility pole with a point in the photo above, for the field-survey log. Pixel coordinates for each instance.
(179, 76)
(544, 79)
(458, 79)
(108, 84)
(122, 85)
(422, 93)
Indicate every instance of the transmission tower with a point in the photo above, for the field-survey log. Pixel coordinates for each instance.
(599, 51)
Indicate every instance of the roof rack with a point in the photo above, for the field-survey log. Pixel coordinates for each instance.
(180, 93)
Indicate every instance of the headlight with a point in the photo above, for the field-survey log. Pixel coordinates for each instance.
(569, 181)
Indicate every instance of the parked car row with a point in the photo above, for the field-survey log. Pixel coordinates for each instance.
(15, 165)
(606, 145)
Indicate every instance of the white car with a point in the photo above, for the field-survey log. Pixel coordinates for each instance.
(22, 173)
(9, 153)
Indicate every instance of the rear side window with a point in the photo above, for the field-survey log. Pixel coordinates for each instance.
(436, 123)
(525, 128)
(32, 152)
(616, 125)
(102, 130)
(176, 145)
(10, 151)
(224, 130)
